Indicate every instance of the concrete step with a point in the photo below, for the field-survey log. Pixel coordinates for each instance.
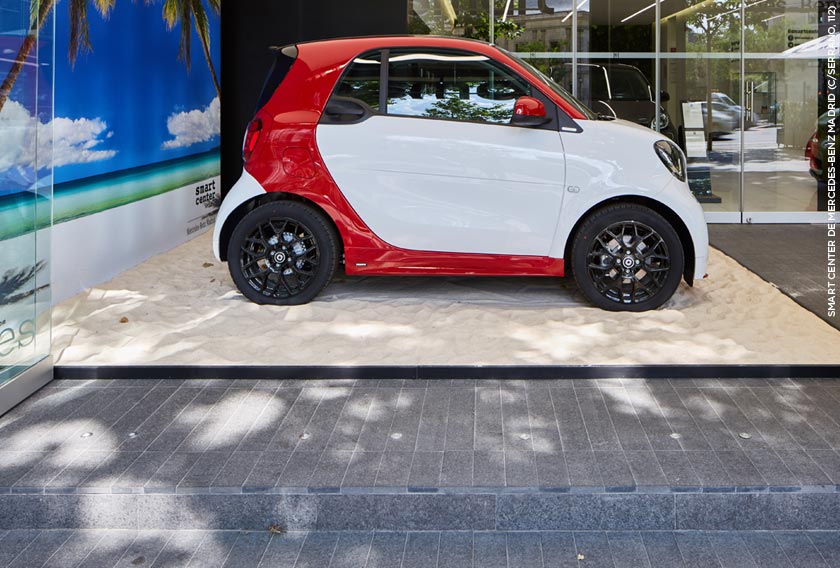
(461, 549)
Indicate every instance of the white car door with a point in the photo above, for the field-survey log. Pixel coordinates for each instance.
(443, 170)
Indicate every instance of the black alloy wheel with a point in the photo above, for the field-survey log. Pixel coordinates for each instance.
(282, 253)
(627, 257)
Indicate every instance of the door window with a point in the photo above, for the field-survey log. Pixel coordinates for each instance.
(452, 85)
(361, 80)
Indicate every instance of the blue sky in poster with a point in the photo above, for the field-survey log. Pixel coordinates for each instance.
(124, 93)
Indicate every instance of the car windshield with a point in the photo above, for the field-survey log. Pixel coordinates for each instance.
(628, 84)
(551, 84)
(725, 99)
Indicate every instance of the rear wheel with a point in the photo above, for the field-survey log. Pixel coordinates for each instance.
(282, 253)
(627, 257)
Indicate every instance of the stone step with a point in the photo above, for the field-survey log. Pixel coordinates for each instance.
(424, 512)
(417, 455)
(461, 549)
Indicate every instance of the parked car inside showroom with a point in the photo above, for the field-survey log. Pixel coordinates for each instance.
(816, 150)
(619, 90)
(817, 153)
(724, 119)
(443, 156)
(735, 109)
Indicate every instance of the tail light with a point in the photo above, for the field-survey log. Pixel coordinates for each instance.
(251, 138)
(811, 146)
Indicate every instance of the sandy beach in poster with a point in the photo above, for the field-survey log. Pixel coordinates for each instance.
(181, 308)
(88, 196)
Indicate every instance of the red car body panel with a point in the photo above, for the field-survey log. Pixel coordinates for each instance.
(289, 120)
(812, 151)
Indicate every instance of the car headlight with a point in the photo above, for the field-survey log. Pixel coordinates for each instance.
(664, 120)
(672, 157)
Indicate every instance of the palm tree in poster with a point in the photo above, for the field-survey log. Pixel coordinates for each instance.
(184, 13)
(79, 38)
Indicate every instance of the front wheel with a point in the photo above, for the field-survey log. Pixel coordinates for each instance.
(282, 253)
(626, 257)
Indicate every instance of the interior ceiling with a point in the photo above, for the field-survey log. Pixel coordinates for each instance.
(611, 12)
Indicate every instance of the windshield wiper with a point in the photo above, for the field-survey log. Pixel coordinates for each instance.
(602, 116)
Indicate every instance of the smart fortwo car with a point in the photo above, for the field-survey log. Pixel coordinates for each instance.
(442, 156)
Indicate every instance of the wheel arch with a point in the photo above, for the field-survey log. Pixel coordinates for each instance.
(682, 230)
(247, 206)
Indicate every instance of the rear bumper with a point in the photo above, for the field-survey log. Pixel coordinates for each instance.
(246, 189)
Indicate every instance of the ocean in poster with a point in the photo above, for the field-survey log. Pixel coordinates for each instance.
(87, 196)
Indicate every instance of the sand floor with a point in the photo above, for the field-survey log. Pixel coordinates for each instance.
(181, 308)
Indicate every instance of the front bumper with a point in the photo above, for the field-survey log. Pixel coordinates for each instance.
(679, 198)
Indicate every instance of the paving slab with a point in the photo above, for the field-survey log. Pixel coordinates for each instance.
(455, 455)
(461, 549)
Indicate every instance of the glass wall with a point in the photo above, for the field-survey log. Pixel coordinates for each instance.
(735, 83)
(543, 34)
(464, 18)
(616, 64)
(700, 62)
(781, 84)
(26, 122)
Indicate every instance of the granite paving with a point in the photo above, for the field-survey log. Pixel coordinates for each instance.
(450, 436)
(423, 549)
(793, 257)
(341, 457)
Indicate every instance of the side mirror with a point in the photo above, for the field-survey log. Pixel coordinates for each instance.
(664, 97)
(528, 111)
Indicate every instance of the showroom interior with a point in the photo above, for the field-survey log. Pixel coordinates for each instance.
(151, 415)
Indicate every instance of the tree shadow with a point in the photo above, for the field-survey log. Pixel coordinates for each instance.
(14, 281)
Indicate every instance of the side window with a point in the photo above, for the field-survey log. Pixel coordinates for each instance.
(592, 84)
(599, 84)
(361, 80)
(562, 75)
(452, 85)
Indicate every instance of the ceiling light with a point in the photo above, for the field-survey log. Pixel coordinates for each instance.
(507, 7)
(737, 9)
(645, 9)
(569, 15)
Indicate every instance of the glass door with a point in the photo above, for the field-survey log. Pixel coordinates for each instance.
(26, 116)
(739, 84)
(781, 110)
(701, 69)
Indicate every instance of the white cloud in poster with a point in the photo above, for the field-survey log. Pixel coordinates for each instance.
(195, 126)
(74, 141)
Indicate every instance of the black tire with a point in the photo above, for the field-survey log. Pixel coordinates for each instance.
(282, 253)
(626, 257)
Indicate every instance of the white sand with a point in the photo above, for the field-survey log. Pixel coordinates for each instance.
(181, 312)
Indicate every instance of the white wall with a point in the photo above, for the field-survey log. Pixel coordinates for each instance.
(94, 249)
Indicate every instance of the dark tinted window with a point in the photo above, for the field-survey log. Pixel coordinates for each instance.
(284, 58)
(598, 84)
(592, 83)
(628, 84)
(361, 80)
(452, 85)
